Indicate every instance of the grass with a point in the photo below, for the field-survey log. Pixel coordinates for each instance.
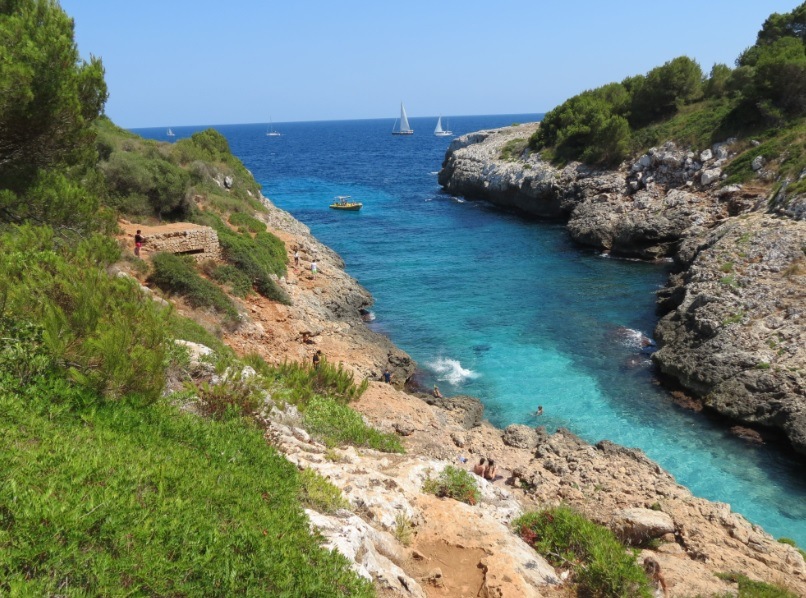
(749, 588)
(246, 222)
(456, 483)
(119, 500)
(600, 564)
(336, 424)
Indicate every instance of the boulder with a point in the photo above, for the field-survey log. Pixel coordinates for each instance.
(467, 411)
(710, 176)
(520, 436)
(636, 526)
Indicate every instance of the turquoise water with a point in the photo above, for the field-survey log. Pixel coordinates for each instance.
(506, 309)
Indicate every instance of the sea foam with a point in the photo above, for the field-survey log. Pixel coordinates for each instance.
(451, 370)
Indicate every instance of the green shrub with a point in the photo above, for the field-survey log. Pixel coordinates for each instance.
(303, 382)
(238, 282)
(403, 529)
(337, 424)
(601, 565)
(316, 493)
(99, 331)
(250, 223)
(178, 275)
(234, 396)
(454, 482)
(749, 588)
(513, 149)
(118, 500)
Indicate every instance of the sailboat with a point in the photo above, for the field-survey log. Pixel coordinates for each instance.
(170, 133)
(439, 131)
(270, 132)
(404, 129)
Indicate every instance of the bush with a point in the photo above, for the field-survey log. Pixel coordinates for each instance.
(131, 176)
(455, 483)
(601, 565)
(250, 223)
(316, 493)
(176, 274)
(238, 282)
(303, 382)
(234, 396)
(98, 331)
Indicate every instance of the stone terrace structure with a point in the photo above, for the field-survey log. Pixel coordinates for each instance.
(182, 238)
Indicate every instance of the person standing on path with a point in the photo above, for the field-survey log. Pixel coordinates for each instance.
(313, 268)
(139, 239)
(387, 376)
(317, 357)
(296, 258)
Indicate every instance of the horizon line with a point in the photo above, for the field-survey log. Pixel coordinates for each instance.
(273, 122)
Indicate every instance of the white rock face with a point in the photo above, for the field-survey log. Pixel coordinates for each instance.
(706, 155)
(757, 163)
(710, 176)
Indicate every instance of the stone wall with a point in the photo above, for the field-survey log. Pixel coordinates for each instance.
(201, 243)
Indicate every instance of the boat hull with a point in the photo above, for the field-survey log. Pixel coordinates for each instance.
(350, 207)
(402, 132)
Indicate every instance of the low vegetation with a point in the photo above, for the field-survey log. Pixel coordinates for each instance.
(600, 564)
(177, 275)
(118, 500)
(454, 482)
(749, 588)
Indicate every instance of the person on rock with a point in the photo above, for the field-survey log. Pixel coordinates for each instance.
(479, 469)
(317, 357)
(437, 394)
(490, 471)
(387, 376)
(314, 268)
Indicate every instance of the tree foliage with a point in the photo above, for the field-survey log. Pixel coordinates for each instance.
(48, 96)
(665, 89)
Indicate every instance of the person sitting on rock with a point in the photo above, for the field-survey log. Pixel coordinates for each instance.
(479, 469)
(437, 394)
(489, 471)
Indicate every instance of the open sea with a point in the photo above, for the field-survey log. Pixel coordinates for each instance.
(503, 308)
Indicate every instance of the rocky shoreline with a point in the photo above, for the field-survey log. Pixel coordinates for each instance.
(456, 549)
(733, 333)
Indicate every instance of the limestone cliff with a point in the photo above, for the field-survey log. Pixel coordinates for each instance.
(735, 332)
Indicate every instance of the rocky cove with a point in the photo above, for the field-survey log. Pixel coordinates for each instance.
(457, 549)
(731, 332)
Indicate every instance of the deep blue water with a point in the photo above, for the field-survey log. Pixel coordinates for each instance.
(505, 309)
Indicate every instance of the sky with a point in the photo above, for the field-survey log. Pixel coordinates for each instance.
(183, 62)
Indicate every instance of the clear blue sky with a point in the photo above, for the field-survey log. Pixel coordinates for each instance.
(182, 62)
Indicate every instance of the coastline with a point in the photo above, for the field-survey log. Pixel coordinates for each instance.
(731, 332)
(612, 485)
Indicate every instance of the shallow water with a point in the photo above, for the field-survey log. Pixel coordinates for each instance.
(506, 309)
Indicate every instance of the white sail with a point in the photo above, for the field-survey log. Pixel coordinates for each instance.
(439, 131)
(404, 121)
